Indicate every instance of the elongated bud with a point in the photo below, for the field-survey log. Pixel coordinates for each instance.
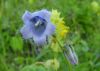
(70, 54)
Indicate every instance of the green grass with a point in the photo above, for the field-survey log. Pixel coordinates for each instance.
(79, 15)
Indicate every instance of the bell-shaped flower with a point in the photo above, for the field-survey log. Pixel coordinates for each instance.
(37, 26)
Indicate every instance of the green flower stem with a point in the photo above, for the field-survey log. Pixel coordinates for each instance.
(69, 65)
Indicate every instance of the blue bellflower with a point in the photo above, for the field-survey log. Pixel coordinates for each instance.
(37, 26)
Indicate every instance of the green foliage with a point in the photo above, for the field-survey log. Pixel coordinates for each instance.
(83, 18)
(16, 43)
(33, 68)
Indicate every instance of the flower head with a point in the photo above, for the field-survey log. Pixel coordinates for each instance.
(61, 29)
(37, 26)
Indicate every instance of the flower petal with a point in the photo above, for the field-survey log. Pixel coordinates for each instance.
(27, 16)
(39, 40)
(26, 31)
(45, 14)
(49, 29)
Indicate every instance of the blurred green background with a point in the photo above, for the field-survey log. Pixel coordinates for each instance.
(82, 16)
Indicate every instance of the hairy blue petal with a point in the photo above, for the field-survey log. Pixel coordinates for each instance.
(43, 14)
(26, 16)
(50, 29)
(26, 31)
(39, 40)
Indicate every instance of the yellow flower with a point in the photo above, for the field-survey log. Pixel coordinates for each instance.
(61, 29)
(64, 32)
(55, 16)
